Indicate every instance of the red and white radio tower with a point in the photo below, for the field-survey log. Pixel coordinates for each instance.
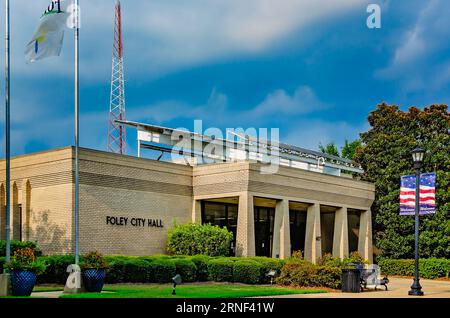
(116, 131)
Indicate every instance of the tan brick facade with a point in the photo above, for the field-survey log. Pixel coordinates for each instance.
(133, 188)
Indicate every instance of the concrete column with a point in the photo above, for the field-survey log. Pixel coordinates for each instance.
(340, 239)
(245, 236)
(313, 244)
(197, 212)
(281, 231)
(365, 236)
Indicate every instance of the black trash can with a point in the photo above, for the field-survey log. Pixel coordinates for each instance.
(351, 279)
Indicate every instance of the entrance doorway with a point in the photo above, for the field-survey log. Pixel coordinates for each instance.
(298, 230)
(264, 219)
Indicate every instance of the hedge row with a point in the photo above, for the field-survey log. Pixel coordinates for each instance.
(161, 269)
(428, 268)
(15, 245)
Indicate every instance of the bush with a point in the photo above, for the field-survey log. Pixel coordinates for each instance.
(137, 271)
(266, 265)
(220, 270)
(196, 239)
(16, 245)
(428, 268)
(305, 274)
(328, 276)
(247, 272)
(201, 264)
(187, 269)
(164, 270)
(56, 271)
(93, 260)
(25, 260)
(2, 262)
(116, 272)
(353, 258)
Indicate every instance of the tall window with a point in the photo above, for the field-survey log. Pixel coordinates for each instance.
(298, 230)
(223, 215)
(264, 221)
(327, 229)
(353, 230)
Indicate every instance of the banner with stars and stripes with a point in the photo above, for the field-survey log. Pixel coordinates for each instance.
(427, 194)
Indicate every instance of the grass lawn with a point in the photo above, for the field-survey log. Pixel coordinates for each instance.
(192, 291)
(47, 288)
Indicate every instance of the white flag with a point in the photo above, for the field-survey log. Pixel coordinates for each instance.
(48, 39)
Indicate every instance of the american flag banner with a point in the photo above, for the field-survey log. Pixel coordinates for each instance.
(427, 194)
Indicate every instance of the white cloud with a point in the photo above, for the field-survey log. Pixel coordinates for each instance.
(304, 100)
(34, 123)
(276, 104)
(415, 62)
(165, 35)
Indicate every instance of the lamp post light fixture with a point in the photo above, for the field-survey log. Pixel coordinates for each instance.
(176, 281)
(418, 155)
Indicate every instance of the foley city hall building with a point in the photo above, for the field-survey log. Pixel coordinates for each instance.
(313, 202)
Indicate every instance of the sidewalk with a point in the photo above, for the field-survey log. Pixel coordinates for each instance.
(398, 288)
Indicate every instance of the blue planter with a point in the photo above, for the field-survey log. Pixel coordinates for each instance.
(94, 279)
(22, 282)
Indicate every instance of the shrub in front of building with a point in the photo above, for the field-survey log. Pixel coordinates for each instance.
(201, 264)
(247, 272)
(429, 268)
(164, 270)
(353, 258)
(56, 271)
(161, 269)
(220, 270)
(117, 269)
(187, 269)
(301, 273)
(137, 271)
(199, 239)
(16, 245)
(266, 265)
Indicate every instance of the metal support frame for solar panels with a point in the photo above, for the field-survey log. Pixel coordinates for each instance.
(292, 155)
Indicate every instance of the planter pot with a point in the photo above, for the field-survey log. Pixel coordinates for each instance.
(22, 282)
(94, 279)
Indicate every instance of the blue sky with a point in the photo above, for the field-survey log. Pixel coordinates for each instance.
(309, 67)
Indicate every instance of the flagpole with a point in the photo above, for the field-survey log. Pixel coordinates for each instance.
(7, 134)
(77, 128)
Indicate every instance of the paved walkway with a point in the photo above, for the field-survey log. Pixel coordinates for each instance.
(398, 288)
(52, 294)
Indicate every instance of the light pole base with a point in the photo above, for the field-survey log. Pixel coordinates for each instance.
(5, 285)
(414, 292)
(416, 289)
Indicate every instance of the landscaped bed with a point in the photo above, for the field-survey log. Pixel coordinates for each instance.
(197, 290)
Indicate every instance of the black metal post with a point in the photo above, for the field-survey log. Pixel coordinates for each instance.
(416, 289)
(8, 133)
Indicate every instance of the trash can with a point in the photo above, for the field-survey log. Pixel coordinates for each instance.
(351, 279)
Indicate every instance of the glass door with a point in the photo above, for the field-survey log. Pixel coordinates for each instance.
(264, 219)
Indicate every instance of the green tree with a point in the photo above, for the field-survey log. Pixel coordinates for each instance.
(329, 149)
(349, 149)
(385, 156)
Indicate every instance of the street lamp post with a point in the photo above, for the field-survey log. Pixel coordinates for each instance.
(418, 155)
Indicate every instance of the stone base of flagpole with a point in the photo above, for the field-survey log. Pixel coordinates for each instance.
(5, 285)
(74, 283)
